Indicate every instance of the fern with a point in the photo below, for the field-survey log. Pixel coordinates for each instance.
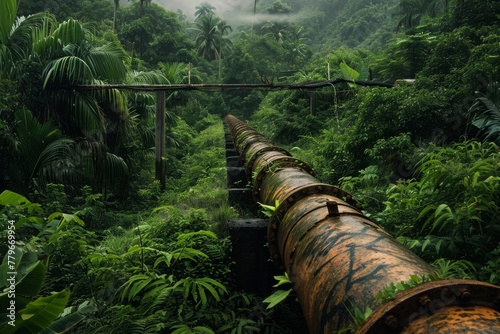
(446, 269)
(151, 283)
(199, 288)
(185, 329)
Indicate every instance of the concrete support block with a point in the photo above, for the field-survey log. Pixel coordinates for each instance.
(242, 198)
(253, 269)
(236, 177)
(232, 153)
(233, 162)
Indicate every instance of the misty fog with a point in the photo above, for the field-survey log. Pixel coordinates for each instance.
(222, 7)
(233, 11)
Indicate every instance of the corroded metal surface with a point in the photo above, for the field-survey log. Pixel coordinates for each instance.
(339, 260)
(448, 306)
(456, 320)
(269, 162)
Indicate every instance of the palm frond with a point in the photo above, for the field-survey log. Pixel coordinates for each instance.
(70, 32)
(147, 135)
(116, 168)
(40, 146)
(101, 166)
(91, 153)
(6, 62)
(69, 70)
(8, 12)
(54, 163)
(42, 39)
(46, 46)
(116, 98)
(107, 62)
(172, 139)
(173, 71)
(25, 30)
(143, 104)
(81, 112)
(151, 77)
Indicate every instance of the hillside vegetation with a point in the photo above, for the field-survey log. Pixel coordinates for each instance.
(100, 247)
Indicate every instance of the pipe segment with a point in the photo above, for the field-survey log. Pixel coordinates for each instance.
(339, 260)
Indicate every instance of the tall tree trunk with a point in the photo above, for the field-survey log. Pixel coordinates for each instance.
(115, 9)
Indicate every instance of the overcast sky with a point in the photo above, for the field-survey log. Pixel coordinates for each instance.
(223, 8)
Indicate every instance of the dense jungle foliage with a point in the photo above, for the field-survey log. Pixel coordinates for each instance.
(101, 248)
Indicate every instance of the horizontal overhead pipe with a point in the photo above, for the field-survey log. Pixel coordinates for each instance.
(229, 87)
(339, 260)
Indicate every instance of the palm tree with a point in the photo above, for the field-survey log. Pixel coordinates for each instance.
(207, 37)
(295, 45)
(204, 9)
(66, 55)
(277, 30)
(222, 28)
(142, 5)
(79, 62)
(100, 119)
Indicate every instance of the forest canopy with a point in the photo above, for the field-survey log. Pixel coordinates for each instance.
(112, 251)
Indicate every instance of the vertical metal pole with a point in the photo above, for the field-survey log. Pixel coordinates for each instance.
(328, 62)
(312, 102)
(160, 138)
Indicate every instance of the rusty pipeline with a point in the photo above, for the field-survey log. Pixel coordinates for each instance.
(339, 260)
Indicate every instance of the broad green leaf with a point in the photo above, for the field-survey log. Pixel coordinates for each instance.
(70, 32)
(8, 11)
(210, 289)
(38, 314)
(8, 197)
(165, 257)
(425, 210)
(282, 279)
(440, 208)
(185, 329)
(134, 285)
(276, 298)
(203, 295)
(203, 329)
(349, 73)
(190, 235)
(425, 244)
(70, 317)
(29, 279)
(438, 245)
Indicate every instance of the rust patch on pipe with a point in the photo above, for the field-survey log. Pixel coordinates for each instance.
(448, 306)
(458, 319)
